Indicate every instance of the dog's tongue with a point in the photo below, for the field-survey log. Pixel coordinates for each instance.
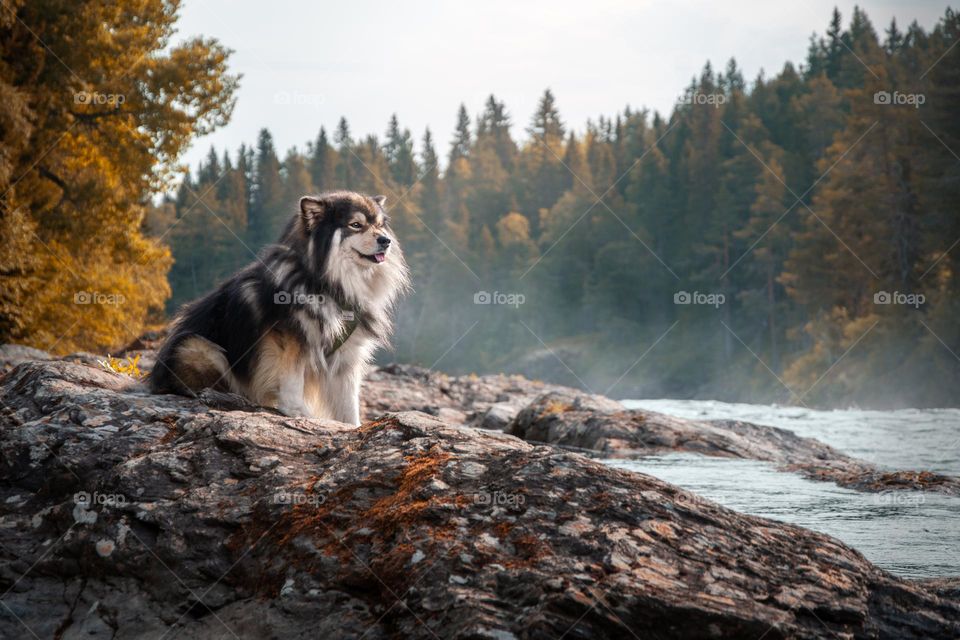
(379, 257)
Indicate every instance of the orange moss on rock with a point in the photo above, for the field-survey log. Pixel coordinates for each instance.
(401, 508)
(310, 519)
(174, 431)
(393, 566)
(531, 549)
(555, 407)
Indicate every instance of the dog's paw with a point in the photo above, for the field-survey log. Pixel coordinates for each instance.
(295, 411)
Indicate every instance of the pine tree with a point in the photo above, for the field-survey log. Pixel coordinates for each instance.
(457, 182)
(400, 154)
(700, 164)
(430, 194)
(862, 47)
(602, 162)
(837, 45)
(576, 160)
(768, 232)
(231, 196)
(547, 125)
(212, 216)
(212, 170)
(816, 58)
(322, 163)
(494, 126)
(460, 146)
(245, 166)
(820, 114)
(543, 176)
(297, 181)
(266, 210)
(894, 38)
(346, 171)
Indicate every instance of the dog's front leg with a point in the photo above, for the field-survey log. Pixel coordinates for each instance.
(290, 400)
(343, 396)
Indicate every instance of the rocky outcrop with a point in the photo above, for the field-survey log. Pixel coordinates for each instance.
(571, 418)
(596, 425)
(552, 414)
(489, 402)
(126, 515)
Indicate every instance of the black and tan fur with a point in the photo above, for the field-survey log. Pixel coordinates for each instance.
(279, 331)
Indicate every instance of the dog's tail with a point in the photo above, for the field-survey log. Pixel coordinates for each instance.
(162, 378)
(188, 363)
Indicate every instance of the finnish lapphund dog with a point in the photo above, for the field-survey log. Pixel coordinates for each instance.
(296, 329)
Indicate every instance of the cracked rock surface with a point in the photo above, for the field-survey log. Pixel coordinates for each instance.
(127, 515)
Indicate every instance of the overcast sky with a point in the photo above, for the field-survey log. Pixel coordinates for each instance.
(305, 64)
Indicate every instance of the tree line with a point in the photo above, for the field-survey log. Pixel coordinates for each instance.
(790, 241)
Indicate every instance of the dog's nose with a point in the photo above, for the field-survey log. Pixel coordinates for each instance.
(383, 241)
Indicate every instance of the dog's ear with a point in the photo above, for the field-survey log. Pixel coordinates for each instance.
(380, 200)
(312, 210)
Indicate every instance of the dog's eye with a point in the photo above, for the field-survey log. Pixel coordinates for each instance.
(356, 225)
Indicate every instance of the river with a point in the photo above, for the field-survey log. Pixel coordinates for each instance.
(911, 534)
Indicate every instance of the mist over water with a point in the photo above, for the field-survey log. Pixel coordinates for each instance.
(912, 534)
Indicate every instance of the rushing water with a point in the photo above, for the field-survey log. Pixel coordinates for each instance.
(912, 534)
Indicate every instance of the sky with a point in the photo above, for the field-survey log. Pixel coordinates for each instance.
(305, 64)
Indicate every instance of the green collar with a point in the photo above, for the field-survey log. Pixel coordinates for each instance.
(351, 320)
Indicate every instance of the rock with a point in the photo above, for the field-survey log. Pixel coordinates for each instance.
(148, 341)
(571, 418)
(489, 402)
(13, 354)
(499, 416)
(235, 522)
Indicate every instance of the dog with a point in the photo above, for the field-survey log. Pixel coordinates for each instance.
(296, 330)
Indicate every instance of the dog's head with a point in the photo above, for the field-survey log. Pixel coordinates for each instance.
(349, 240)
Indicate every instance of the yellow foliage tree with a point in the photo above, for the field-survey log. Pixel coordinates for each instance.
(87, 134)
